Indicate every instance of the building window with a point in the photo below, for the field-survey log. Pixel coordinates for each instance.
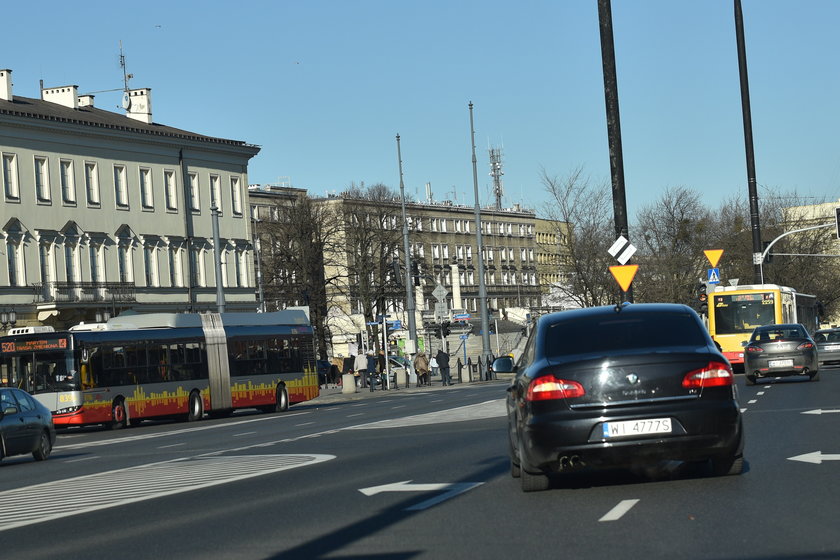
(146, 190)
(235, 196)
(171, 188)
(241, 268)
(14, 261)
(124, 262)
(42, 179)
(198, 277)
(150, 264)
(92, 183)
(95, 258)
(71, 263)
(68, 184)
(47, 263)
(10, 178)
(176, 277)
(216, 193)
(120, 187)
(195, 200)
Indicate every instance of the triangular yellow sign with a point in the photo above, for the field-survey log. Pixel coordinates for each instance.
(624, 275)
(713, 255)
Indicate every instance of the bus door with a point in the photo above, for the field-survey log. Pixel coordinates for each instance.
(217, 361)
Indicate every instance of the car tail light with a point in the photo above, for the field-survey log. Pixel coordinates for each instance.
(715, 374)
(754, 349)
(805, 346)
(549, 387)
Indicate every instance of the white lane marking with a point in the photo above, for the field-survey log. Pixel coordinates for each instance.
(356, 405)
(304, 424)
(451, 490)
(398, 406)
(743, 410)
(172, 445)
(760, 393)
(172, 433)
(244, 434)
(619, 510)
(752, 401)
(93, 492)
(480, 411)
(357, 414)
(82, 459)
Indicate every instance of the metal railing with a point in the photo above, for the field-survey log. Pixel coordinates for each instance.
(84, 292)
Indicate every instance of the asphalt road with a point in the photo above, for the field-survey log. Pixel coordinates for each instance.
(418, 474)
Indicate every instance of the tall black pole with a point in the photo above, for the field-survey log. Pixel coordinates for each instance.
(748, 142)
(613, 124)
(409, 277)
(482, 283)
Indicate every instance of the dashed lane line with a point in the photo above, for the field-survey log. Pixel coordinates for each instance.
(619, 510)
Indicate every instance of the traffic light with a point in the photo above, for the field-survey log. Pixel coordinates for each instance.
(444, 328)
(415, 273)
(397, 274)
(702, 303)
(769, 257)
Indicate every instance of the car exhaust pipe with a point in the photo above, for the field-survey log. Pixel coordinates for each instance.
(576, 462)
(564, 463)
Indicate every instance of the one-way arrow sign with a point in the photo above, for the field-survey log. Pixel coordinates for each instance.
(451, 490)
(816, 457)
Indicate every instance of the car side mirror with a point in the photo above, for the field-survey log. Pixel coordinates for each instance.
(744, 342)
(503, 365)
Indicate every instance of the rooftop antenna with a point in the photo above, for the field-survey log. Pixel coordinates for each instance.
(496, 172)
(126, 100)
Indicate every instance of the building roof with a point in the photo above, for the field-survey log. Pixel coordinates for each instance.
(91, 116)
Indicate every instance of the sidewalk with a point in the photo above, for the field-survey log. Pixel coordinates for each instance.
(335, 394)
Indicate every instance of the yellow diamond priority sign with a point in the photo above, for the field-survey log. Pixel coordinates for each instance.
(624, 275)
(714, 256)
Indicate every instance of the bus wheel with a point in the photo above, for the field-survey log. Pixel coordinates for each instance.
(118, 415)
(281, 401)
(196, 407)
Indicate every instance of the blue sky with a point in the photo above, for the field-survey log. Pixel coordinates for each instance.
(324, 87)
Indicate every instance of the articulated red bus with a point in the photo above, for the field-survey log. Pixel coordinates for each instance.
(164, 365)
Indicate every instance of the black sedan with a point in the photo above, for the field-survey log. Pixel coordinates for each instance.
(780, 350)
(626, 386)
(26, 426)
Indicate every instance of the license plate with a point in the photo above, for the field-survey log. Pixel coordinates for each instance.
(637, 427)
(832, 347)
(780, 363)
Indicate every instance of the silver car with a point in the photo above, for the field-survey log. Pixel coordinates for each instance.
(828, 345)
(777, 350)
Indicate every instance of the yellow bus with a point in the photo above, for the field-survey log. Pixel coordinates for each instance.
(734, 311)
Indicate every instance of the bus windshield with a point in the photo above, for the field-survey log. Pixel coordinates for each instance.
(39, 372)
(741, 313)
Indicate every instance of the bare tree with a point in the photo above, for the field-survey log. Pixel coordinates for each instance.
(671, 235)
(587, 209)
(374, 239)
(301, 261)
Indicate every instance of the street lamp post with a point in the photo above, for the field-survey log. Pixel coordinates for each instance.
(409, 285)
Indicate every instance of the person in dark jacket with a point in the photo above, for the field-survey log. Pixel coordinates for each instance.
(371, 369)
(442, 359)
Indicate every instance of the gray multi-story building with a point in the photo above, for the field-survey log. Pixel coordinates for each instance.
(104, 212)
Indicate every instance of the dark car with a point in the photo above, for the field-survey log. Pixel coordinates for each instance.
(620, 386)
(26, 426)
(780, 350)
(828, 345)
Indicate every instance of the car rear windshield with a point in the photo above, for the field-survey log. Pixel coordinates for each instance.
(619, 332)
(780, 333)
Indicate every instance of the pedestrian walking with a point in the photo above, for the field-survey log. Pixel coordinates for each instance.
(371, 371)
(360, 365)
(442, 359)
(382, 368)
(421, 366)
(434, 367)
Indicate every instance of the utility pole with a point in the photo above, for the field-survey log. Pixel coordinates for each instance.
(411, 348)
(613, 124)
(758, 257)
(482, 287)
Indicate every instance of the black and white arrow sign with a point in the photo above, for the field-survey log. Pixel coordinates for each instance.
(450, 490)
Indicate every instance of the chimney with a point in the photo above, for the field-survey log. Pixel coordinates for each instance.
(6, 85)
(138, 104)
(66, 96)
(86, 100)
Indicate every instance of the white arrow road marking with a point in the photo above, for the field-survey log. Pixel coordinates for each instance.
(619, 510)
(817, 457)
(450, 490)
(820, 411)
